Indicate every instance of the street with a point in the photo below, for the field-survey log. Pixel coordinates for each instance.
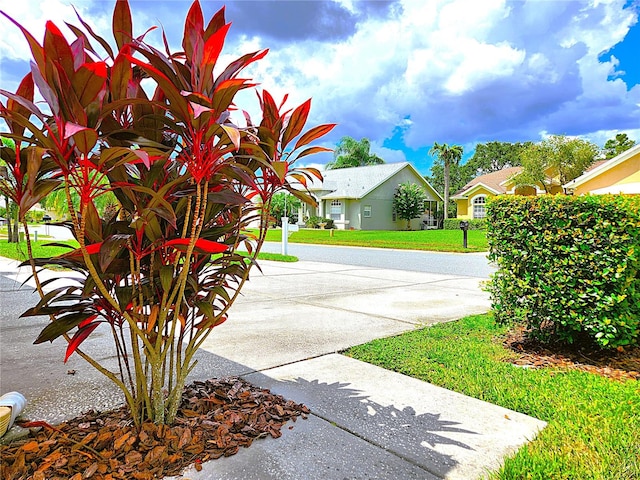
(465, 264)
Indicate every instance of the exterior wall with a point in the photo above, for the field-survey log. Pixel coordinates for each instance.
(526, 191)
(381, 214)
(462, 208)
(465, 206)
(354, 214)
(614, 175)
(381, 201)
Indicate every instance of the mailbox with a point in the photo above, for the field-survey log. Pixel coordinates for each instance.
(464, 226)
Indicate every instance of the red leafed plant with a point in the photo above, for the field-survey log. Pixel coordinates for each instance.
(163, 272)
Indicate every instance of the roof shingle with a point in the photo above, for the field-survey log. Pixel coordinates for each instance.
(492, 180)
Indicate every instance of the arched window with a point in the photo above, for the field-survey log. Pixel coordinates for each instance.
(478, 206)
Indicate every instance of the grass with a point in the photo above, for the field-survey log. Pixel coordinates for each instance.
(18, 251)
(593, 422)
(274, 257)
(431, 240)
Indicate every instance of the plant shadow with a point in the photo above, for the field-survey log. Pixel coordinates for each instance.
(418, 438)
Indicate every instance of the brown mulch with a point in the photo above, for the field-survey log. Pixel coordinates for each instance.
(622, 364)
(216, 418)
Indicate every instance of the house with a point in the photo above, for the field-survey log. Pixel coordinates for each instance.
(361, 198)
(621, 174)
(471, 199)
(603, 176)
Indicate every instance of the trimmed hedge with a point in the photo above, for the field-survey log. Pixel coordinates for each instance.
(474, 224)
(568, 267)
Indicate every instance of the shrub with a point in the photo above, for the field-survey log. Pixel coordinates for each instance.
(163, 272)
(568, 267)
(474, 224)
(34, 216)
(315, 221)
(408, 201)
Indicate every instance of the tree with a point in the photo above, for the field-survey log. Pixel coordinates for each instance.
(6, 179)
(555, 161)
(457, 180)
(282, 203)
(408, 201)
(164, 272)
(448, 155)
(491, 157)
(353, 153)
(615, 146)
(56, 202)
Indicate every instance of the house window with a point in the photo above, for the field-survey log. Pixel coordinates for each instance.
(367, 211)
(336, 209)
(478, 206)
(394, 216)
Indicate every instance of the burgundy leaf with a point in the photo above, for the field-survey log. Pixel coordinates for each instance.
(122, 24)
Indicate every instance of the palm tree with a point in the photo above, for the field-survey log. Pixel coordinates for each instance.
(353, 153)
(448, 155)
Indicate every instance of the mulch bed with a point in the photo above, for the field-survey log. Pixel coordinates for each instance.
(622, 364)
(216, 418)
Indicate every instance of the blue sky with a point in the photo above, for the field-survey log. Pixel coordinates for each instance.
(407, 73)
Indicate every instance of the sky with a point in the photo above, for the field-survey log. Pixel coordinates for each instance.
(406, 73)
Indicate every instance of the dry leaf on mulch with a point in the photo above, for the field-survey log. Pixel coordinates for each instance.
(623, 364)
(216, 418)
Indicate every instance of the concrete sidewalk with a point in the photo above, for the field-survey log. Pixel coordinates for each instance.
(283, 334)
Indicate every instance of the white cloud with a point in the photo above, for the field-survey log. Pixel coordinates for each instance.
(33, 16)
(461, 71)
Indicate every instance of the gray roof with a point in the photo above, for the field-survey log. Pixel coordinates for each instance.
(355, 182)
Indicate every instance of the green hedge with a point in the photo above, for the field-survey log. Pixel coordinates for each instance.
(454, 224)
(568, 267)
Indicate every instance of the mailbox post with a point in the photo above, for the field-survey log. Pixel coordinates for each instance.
(47, 222)
(464, 226)
(287, 229)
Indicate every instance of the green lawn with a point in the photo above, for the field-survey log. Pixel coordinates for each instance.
(433, 240)
(19, 251)
(593, 421)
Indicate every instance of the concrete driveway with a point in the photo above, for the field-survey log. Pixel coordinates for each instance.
(294, 311)
(282, 334)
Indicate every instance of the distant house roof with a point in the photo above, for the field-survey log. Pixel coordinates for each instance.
(493, 181)
(356, 182)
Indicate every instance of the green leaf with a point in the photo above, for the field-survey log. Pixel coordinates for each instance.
(61, 325)
(166, 277)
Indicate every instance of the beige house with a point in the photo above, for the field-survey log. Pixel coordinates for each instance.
(621, 174)
(361, 198)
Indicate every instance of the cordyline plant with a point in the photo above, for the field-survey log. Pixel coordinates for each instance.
(163, 271)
